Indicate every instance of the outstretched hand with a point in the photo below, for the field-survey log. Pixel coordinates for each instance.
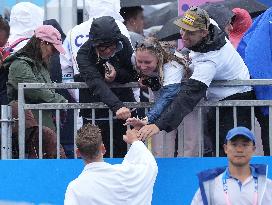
(135, 122)
(131, 136)
(123, 113)
(148, 131)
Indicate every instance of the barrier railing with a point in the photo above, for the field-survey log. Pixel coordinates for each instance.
(6, 132)
(58, 106)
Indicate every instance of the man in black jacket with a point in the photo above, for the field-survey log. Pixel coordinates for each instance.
(212, 58)
(106, 58)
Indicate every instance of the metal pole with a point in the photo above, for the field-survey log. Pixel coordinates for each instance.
(4, 132)
(93, 116)
(200, 138)
(58, 132)
(75, 130)
(40, 135)
(60, 17)
(252, 117)
(111, 132)
(10, 132)
(74, 12)
(45, 9)
(217, 131)
(21, 118)
(234, 116)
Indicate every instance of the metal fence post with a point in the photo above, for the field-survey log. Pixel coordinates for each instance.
(111, 132)
(21, 118)
(4, 132)
(10, 132)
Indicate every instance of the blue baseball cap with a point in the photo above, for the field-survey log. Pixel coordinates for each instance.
(241, 131)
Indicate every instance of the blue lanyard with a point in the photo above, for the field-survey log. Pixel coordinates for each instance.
(225, 188)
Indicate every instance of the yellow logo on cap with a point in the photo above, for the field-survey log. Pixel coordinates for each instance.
(188, 19)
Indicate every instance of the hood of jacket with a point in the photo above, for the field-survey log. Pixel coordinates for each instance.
(103, 30)
(214, 41)
(25, 17)
(241, 24)
(99, 8)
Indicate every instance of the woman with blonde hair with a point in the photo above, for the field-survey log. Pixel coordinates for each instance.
(161, 71)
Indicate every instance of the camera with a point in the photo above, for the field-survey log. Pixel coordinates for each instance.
(152, 82)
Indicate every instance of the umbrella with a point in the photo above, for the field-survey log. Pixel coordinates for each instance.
(161, 16)
(169, 31)
(254, 7)
(129, 3)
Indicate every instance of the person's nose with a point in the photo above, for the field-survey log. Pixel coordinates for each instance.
(239, 148)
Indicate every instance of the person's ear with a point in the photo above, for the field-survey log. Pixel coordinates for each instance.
(225, 148)
(78, 153)
(205, 33)
(103, 149)
(254, 148)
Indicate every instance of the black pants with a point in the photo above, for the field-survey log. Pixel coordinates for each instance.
(226, 123)
(119, 146)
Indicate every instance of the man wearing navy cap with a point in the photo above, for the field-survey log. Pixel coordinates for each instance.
(239, 183)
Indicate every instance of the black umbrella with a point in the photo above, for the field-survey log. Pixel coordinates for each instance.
(162, 16)
(254, 7)
(169, 31)
(129, 3)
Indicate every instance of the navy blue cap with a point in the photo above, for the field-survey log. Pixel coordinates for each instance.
(240, 131)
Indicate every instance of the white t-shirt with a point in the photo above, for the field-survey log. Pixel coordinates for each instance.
(129, 183)
(223, 64)
(172, 73)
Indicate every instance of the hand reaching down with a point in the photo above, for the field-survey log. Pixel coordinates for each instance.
(123, 113)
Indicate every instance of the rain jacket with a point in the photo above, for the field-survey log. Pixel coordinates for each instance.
(25, 17)
(207, 189)
(255, 49)
(25, 70)
(92, 70)
(78, 35)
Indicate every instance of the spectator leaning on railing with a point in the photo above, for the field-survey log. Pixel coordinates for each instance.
(104, 59)
(212, 58)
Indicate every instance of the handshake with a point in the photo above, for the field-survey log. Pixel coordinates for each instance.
(144, 130)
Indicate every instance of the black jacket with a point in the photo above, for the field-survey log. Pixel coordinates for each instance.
(92, 72)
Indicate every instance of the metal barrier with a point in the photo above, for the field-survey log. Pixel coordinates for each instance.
(93, 106)
(6, 132)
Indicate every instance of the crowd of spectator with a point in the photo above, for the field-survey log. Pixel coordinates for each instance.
(111, 47)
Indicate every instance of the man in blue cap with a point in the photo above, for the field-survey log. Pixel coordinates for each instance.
(240, 182)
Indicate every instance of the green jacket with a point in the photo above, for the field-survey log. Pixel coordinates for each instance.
(25, 70)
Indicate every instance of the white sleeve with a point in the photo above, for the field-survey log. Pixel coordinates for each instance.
(70, 197)
(197, 200)
(66, 61)
(204, 71)
(139, 154)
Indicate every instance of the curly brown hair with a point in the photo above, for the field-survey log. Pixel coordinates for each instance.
(88, 140)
